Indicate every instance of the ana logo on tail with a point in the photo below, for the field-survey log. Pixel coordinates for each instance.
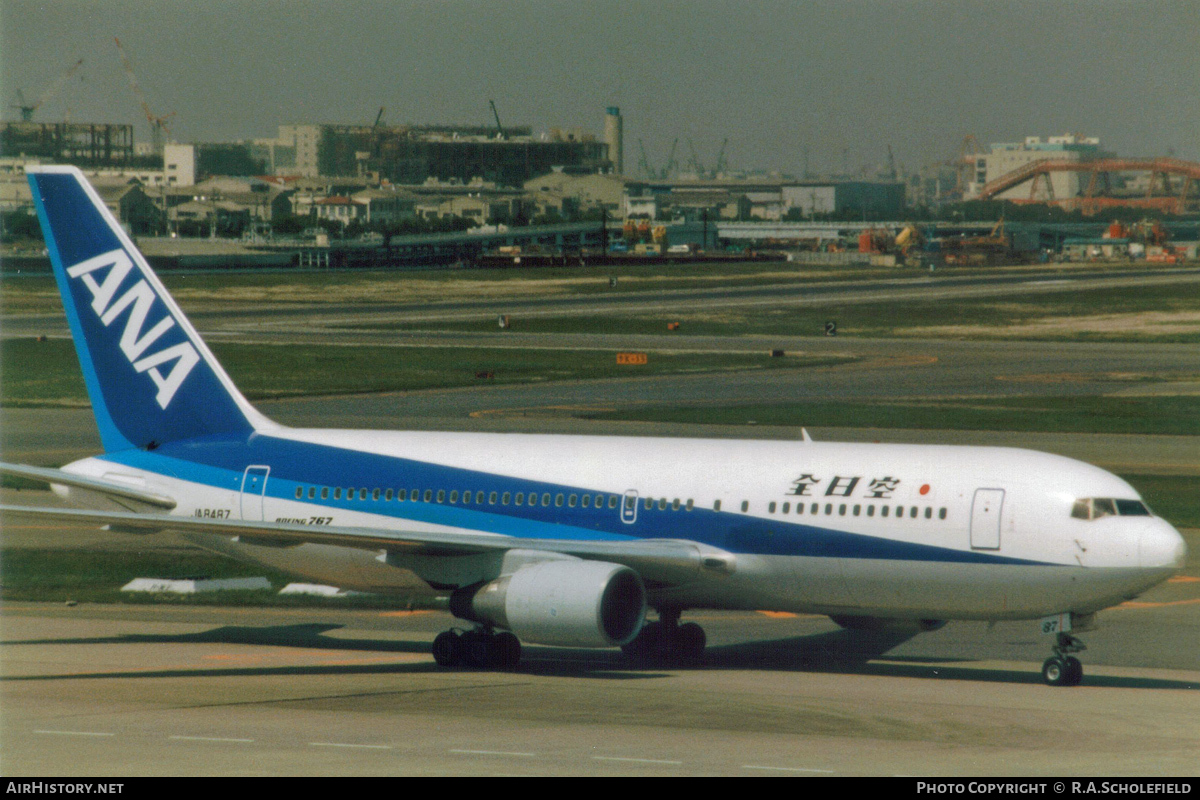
(137, 301)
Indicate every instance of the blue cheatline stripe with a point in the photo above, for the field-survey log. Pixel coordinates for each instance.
(220, 461)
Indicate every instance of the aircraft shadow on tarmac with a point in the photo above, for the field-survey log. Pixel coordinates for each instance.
(842, 651)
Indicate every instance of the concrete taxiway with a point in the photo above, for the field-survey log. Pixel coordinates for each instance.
(206, 691)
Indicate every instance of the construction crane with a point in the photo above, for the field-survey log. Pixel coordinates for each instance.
(672, 165)
(28, 109)
(694, 162)
(157, 124)
(496, 114)
(722, 165)
(644, 161)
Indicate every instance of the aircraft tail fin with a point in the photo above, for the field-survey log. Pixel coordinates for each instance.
(150, 377)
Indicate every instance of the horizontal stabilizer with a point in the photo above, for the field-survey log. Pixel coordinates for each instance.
(114, 491)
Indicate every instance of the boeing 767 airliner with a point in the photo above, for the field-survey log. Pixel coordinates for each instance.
(568, 540)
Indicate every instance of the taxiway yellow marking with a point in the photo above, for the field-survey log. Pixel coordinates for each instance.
(1133, 604)
(779, 614)
(1183, 579)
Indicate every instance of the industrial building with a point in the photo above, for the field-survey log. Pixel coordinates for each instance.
(1006, 157)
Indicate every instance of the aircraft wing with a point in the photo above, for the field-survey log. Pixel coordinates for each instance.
(123, 495)
(664, 561)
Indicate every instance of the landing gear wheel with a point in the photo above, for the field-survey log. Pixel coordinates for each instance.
(1055, 671)
(481, 649)
(447, 649)
(506, 651)
(690, 641)
(1063, 669)
(667, 641)
(1074, 671)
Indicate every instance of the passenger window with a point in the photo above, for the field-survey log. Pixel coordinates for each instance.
(690, 505)
(675, 504)
(362, 494)
(771, 507)
(546, 499)
(337, 493)
(799, 508)
(388, 496)
(375, 494)
(787, 507)
(716, 505)
(929, 513)
(428, 495)
(520, 498)
(505, 498)
(558, 500)
(586, 500)
(612, 500)
(299, 492)
(312, 493)
(745, 506)
(870, 511)
(492, 499)
(441, 497)
(883, 511)
(324, 492)
(842, 510)
(649, 503)
(453, 497)
(941, 513)
(401, 495)
(828, 509)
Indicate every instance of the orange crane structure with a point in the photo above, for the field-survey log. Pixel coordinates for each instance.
(158, 124)
(1098, 194)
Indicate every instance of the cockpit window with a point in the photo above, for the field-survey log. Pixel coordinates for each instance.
(1097, 507)
(1132, 508)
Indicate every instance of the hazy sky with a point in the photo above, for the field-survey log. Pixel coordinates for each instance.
(845, 79)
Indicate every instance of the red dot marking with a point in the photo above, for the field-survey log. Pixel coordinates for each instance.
(925, 489)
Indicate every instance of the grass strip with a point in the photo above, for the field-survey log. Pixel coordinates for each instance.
(47, 372)
(97, 575)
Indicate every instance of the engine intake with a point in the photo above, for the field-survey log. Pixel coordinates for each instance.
(561, 602)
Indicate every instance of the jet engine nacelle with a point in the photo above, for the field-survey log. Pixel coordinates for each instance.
(561, 602)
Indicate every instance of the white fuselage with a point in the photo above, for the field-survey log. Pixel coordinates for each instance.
(906, 531)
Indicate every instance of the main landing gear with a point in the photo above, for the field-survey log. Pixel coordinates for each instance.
(1063, 669)
(667, 640)
(480, 647)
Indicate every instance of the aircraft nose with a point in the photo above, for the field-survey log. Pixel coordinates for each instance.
(1161, 546)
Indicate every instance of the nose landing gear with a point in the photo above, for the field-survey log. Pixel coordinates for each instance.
(1063, 669)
